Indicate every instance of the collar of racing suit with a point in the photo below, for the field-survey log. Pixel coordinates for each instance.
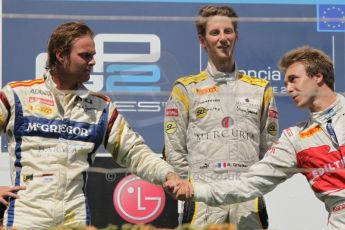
(81, 91)
(221, 76)
(325, 115)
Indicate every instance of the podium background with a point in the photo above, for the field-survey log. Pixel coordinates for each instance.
(159, 38)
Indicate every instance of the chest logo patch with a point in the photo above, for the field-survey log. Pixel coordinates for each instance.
(227, 122)
(206, 90)
(201, 112)
(170, 127)
(310, 132)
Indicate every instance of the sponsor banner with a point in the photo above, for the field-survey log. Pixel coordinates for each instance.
(138, 201)
(138, 61)
(120, 198)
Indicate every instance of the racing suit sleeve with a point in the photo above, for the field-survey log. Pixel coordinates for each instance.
(5, 109)
(129, 150)
(269, 121)
(278, 165)
(175, 129)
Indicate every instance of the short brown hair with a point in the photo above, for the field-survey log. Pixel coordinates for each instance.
(314, 60)
(209, 11)
(62, 38)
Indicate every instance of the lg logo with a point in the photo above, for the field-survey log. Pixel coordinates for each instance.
(138, 201)
(117, 71)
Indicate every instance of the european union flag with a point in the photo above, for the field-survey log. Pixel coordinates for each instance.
(330, 18)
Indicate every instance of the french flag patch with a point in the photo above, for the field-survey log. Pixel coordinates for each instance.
(222, 165)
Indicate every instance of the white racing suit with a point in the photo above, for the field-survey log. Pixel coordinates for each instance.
(52, 138)
(315, 148)
(215, 123)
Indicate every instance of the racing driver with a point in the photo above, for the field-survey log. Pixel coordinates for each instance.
(315, 147)
(218, 120)
(55, 125)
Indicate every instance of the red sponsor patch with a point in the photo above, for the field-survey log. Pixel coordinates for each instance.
(289, 132)
(323, 168)
(339, 207)
(271, 150)
(41, 101)
(227, 122)
(171, 112)
(272, 113)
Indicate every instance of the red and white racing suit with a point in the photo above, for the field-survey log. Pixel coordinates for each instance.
(315, 148)
(215, 122)
(52, 138)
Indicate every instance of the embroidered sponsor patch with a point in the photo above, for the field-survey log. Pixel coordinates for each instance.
(207, 90)
(170, 127)
(41, 101)
(222, 164)
(27, 178)
(227, 122)
(69, 216)
(289, 132)
(209, 101)
(42, 109)
(273, 114)
(171, 112)
(272, 128)
(201, 112)
(339, 207)
(247, 107)
(56, 128)
(310, 132)
(42, 92)
(48, 177)
(205, 166)
(224, 133)
(271, 150)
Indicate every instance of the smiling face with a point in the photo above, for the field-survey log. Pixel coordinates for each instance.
(77, 66)
(219, 40)
(302, 88)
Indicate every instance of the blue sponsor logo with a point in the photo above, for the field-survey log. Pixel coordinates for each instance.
(128, 77)
(127, 71)
(121, 71)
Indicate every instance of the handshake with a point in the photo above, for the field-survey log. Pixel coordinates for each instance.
(178, 188)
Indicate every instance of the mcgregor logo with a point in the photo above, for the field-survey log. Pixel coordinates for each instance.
(57, 128)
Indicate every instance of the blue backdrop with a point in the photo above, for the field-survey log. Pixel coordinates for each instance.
(144, 46)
